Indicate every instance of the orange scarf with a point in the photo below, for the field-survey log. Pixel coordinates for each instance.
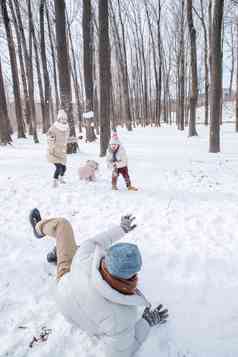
(124, 286)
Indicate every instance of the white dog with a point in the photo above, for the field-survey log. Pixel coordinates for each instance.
(87, 172)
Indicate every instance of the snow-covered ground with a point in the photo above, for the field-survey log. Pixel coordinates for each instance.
(187, 215)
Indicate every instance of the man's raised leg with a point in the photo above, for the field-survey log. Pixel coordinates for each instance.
(62, 231)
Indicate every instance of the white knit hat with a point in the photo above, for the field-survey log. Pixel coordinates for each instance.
(114, 139)
(62, 116)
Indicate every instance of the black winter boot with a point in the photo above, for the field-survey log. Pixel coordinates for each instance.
(52, 256)
(34, 218)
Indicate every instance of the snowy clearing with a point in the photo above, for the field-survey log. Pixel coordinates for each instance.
(187, 216)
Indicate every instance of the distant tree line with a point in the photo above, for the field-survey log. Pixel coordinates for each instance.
(128, 62)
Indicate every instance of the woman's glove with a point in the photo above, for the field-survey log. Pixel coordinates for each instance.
(126, 223)
(156, 316)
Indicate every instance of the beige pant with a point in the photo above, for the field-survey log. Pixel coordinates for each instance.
(61, 230)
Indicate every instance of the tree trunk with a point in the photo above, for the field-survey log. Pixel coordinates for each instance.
(53, 58)
(5, 137)
(193, 59)
(104, 75)
(236, 127)
(22, 66)
(156, 119)
(14, 70)
(210, 36)
(39, 80)
(214, 143)
(160, 66)
(206, 69)
(63, 70)
(31, 74)
(181, 78)
(75, 79)
(125, 74)
(88, 66)
(232, 61)
(122, 60)
(47, 89)
(27, 64)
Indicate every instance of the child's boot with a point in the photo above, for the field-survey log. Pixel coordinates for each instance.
(114, 187)
(132, 188)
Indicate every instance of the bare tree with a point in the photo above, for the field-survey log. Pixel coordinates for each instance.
(193, 59)
(31, 72)
(232, 49)
(21, 62)
(28, 67)
(181, 71)
(125, 72)
(63, 70)
(47, 89)
(14, 70)
(105, 76)
(216, 50)
(75, 77)
(206, 68)
(50, 29)
(120, 45)
(88, 65)
(157, 72)
(5, 137)
(236, 126)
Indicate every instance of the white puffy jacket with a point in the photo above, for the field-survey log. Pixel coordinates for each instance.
(121, 157)
(86, 300)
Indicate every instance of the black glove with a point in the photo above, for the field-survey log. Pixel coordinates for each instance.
(156, 316)
(126, 223)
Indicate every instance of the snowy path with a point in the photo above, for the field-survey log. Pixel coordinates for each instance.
(187, 216)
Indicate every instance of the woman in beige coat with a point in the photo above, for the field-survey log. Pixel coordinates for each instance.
(57, 137)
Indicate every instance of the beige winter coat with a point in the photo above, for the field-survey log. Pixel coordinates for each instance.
(57, 137)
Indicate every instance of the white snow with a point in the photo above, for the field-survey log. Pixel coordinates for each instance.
(187, 216)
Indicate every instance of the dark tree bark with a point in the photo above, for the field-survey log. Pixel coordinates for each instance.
(145, 80)
(14, 70)
(206, 68)
(22, 65)
(39, 79)
(193, 59)
(5, 137)
(181, 70)
(210, 36)
(88, 66)
(125, 74)
(156, 119)
(236, 127)
(214, 143)
(75, 79)
(31, 73)
(53, 58)
(232, 60)
(27, 66)
(158, 110)
(47, 89)
(64, 72)
(123, 78)
(105, 77)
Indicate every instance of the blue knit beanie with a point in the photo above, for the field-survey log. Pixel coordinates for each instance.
(123, 260)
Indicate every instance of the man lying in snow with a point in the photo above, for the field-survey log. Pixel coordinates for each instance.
(97, 285)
